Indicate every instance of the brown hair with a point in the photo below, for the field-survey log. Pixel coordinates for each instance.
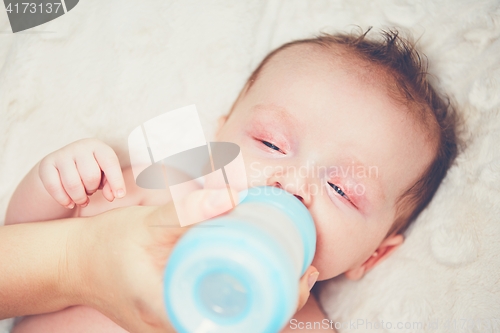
(407, 83)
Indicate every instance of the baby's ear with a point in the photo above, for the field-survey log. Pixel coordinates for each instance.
(385, 249)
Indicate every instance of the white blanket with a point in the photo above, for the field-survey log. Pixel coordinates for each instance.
(107, 66)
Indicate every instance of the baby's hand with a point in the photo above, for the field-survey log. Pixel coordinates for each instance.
(75, 172)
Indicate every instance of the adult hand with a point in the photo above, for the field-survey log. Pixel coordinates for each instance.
(113, 262)
(123, 254)
(120, 257)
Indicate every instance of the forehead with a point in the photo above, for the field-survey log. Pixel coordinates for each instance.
(342, 112)
(314, 57)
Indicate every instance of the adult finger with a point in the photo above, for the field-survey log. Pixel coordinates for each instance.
(305, 285)
(202, 205)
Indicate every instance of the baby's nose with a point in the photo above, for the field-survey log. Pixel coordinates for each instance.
(299, 197)
(278, 185)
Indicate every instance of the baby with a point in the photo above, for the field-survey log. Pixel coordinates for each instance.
(348, 125)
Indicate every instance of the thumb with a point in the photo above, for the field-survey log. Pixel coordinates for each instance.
(197, 206)
(202, 205)
(305, 285)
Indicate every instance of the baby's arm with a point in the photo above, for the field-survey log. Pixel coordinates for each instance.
(65, 179)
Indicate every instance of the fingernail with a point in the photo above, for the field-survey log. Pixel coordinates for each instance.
(217, 199)
(85, 204)
(313, 277)
(71, 205)
(120, 193)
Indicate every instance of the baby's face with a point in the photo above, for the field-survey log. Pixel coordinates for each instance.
(336, 140)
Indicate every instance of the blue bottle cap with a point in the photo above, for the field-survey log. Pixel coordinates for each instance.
(229, 277)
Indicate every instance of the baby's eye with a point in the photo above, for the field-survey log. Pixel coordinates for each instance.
(339, 191)
(270, 145)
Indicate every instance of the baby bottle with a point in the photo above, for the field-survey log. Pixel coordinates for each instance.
(240, 272)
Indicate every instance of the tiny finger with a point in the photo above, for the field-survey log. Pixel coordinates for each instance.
(72, 182)
(51, 180)
(107, 192)
(110, 165)
(306, 283)
(90, 173)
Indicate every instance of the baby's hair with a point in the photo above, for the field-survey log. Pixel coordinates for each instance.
(406, 79)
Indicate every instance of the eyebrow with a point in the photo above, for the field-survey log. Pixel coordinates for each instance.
(277, 111)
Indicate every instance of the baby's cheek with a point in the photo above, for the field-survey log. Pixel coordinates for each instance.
(341, 244)
(327, 259)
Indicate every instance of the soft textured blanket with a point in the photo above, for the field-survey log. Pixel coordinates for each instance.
(107, 66)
